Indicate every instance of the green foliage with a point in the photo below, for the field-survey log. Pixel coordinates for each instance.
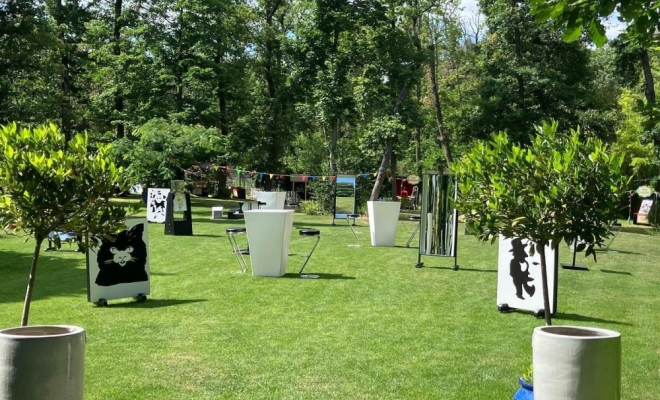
(163, 149)
(324, 194)
(310, 207)
(640, 160)
(528, 375)
(559, 188)
(641, 17)
(51, 185)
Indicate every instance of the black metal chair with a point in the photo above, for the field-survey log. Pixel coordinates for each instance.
(310, 233)
(348, 218)
(419, 220)
(231, 234)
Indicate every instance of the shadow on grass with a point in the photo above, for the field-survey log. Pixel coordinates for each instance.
(208, 236)
(292, 275)
(56, 275)
(584, 318)
(492, 271)
(603, 251)
(163, 273)
(609, 271)
(635, 229)
(155, 303)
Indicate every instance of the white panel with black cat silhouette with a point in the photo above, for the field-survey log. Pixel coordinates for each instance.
(519, 276)
(156, 204)
(120, 267)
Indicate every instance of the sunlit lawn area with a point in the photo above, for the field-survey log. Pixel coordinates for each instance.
(372, 327)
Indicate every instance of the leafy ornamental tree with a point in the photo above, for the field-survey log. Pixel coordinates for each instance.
(561, 187)
(51, 185)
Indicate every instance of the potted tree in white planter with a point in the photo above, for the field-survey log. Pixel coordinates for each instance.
(558, 188)
(49, 185)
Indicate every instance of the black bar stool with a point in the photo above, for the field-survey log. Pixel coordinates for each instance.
(310, 233)
(353, 216)
(414, 218)
(231, 234)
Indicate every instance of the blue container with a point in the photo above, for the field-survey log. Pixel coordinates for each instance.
(526, 391)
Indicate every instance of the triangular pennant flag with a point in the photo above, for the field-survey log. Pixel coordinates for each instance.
(261, 174)
(271, 176)
(238, 171)
(324, 179)
(251, 173)
(364, 175)
(333, 177)
(304, 177)
(313, 178)
(375, 173)
(281, 176)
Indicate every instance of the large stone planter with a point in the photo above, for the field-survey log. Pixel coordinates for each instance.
(576, 363)
(383, 220)
(42, 363)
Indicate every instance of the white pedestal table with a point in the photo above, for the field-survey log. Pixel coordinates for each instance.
(269, 235)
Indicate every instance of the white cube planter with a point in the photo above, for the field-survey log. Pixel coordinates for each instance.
(42, 362)
(576, 363)
(216, 212)
(269, 237)
(383, 220)
(273, 200)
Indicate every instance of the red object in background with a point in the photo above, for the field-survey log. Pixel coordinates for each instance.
(406, 186)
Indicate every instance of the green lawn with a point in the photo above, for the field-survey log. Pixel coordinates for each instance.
(374, 327)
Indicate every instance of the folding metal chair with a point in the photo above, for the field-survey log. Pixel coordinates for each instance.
(310, 233)
(231, 234)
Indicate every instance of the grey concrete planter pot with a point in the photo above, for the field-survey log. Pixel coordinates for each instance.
(42, 363)
(576, 363)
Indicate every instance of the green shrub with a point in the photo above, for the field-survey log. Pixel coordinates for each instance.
(310, 207)
(324, 194)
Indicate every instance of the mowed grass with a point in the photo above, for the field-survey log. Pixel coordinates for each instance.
(372, 327)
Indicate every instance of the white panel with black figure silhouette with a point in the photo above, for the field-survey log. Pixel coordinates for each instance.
(157, 204)
(119, 267)
(519, 282)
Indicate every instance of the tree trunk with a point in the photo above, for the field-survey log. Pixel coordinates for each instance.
(442, 138)
(30, 287)
(119, 99)
(540, 248)
(393, 175)
(518, 54)
(375, 192)
(65, 104)
(649, 88)
(178, 72)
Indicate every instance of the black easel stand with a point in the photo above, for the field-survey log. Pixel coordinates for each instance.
(420, 264)
(178, 227)
(573, 265)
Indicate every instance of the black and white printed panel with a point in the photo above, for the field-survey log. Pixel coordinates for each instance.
(519, 282)
(120, 267)
(156, 204)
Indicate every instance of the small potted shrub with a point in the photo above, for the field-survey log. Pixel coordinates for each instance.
(559, 188)
(526, 390)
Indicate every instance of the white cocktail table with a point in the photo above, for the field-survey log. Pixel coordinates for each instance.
(269, 235)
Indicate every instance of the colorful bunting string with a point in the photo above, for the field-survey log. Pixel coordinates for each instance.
(198, 170)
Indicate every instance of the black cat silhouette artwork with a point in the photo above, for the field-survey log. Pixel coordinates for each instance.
(519, 274)
(123, 259)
